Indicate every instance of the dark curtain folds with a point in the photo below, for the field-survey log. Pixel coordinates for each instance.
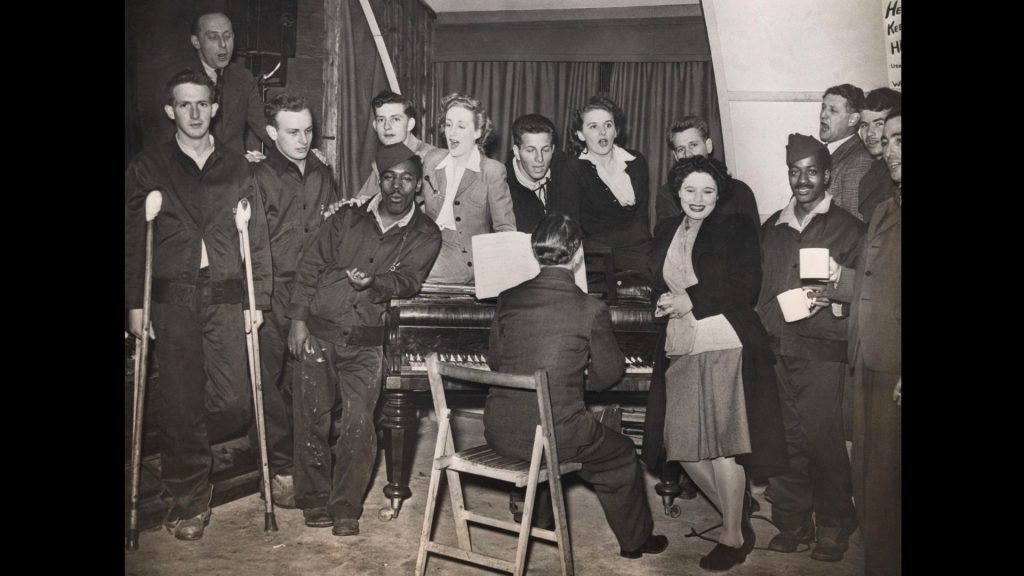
(655, 94)
(652, 95)
(509, 90)
(406, 27)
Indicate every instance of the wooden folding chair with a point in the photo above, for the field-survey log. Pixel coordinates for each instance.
(483, 461)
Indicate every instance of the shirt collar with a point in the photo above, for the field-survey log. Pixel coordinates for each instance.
(788, 215)
(619, 156)
(412, 141)
(473, 164)
(525, 180)
(200, 159)
(210, 70)
(833, 146)
(373, 208)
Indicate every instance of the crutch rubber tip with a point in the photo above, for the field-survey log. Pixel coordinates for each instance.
(269, 522)
(133, 540)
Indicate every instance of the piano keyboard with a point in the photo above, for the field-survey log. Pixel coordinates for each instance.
(417, 363)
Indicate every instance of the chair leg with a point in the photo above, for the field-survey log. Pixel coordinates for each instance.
(459, 510)
(531, 496)
(561, 528)
(428, 521)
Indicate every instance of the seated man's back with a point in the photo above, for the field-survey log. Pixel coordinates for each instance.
(549, 323)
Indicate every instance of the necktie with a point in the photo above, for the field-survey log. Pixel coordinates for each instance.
(219, 86)
(542, 193)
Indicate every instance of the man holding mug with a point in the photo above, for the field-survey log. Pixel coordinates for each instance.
(810, 355)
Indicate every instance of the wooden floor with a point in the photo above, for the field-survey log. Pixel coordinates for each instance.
(236, 544)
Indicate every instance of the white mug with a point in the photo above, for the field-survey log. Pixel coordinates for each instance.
(814, 263)
(795, 304)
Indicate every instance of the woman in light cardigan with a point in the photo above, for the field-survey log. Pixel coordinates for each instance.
(465, 192)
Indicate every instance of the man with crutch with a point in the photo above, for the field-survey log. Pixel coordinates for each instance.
(198, 292)
(296, 188)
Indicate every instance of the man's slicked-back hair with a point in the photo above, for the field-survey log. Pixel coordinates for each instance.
(685, 124)
(286, 102)
(882, 99)
(556, 239)
(532, 124)
(388, 97)
(199, 16)
(187, 76)
(854, 96)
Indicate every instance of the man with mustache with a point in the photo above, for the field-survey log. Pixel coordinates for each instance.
(295, 186)
(877, 184)
(840, 117)
(810, 360)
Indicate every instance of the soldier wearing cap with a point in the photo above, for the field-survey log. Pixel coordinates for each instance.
(810, 359)
(361, 257)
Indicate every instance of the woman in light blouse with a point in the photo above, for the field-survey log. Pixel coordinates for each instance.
(465, 192)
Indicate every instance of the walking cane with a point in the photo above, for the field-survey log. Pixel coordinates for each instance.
(252, 342)
(153, 201)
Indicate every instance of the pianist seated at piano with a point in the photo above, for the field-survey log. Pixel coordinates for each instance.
(465, 192)
(549, 323)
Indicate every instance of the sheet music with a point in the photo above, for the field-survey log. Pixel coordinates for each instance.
(502, 260)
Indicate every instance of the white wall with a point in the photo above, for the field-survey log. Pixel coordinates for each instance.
(772, 62)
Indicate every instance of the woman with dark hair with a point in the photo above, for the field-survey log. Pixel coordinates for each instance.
(614, 186)
(466, 193)
(716, 410)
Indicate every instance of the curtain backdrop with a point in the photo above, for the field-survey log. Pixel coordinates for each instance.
(509, 90)
(652, 95)
(655, 94)
(406, 27)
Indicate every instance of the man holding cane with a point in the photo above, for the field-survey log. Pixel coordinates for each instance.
(198, 291)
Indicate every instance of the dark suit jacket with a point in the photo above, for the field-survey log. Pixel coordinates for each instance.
(563, 194)
(240, 106)
(549, 323)
(876, 312)
(850, 162)
(727, 262)
(875, 187)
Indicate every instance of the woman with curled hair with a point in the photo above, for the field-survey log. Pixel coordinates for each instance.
(716, 409)
(466, 192)
(614, 185)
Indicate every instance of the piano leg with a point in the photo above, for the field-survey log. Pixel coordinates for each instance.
(400, 428)
(669, 488)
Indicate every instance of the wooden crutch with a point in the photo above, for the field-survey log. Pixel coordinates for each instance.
(252, 342)
(153, 202)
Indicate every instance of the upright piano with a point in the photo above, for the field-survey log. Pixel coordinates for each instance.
(453, 323)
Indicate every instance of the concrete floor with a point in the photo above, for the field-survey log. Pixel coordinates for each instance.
(235, 543)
